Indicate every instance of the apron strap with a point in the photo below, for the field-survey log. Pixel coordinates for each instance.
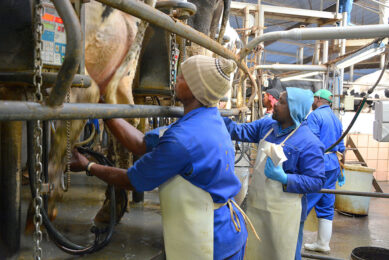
(234, 217)
(245, 217)
(282, 144)
(267, 134)
(341, 165)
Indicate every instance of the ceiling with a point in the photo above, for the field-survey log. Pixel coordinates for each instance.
(363, 12)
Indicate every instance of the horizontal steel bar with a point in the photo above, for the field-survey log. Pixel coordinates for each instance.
(321, 257)
(17, 110)
(320, 33)
(48, 79)
(356, 193)
(293, 67)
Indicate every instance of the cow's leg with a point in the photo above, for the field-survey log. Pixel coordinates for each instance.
(118, 153)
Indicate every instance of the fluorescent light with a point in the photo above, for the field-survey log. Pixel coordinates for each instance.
(364, 54)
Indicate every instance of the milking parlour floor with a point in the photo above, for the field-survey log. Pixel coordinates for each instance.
(139, 234)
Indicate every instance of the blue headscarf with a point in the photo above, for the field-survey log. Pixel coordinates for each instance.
(300, 103)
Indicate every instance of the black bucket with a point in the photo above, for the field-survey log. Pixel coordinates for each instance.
(370, 253)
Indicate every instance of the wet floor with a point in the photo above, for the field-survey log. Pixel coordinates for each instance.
(139, 234)
(351, 232)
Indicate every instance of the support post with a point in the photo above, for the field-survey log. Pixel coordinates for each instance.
(325, 52)
(10, 174)
(261, 24)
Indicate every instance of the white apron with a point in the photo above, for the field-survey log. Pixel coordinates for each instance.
(192, 239)
(274, 213)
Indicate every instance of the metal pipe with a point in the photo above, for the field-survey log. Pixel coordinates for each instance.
(17, 110)
(325, 51)
(337, 8)
(321, 33)
(317, 52)
(356, 193)
(382, 60)
(48, 79)
(158, 18)
(300, 59)
(289, 67)
(351, 74)
(322, 257)
(73, 52)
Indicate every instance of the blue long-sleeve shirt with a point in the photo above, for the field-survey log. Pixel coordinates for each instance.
(197, 147)
(304, 152)
(327, 127)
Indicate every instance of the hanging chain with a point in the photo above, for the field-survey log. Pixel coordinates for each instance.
(37, 81)
(66, 176)
(174, 54)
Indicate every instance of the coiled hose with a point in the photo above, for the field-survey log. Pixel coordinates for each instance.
(60, 240)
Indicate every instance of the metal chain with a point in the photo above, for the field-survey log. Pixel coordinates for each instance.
(66, 177)
(174, 54)
(37, 81)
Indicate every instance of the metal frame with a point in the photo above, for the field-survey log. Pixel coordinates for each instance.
(164, 21)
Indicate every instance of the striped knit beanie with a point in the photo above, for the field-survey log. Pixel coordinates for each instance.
(208, 78)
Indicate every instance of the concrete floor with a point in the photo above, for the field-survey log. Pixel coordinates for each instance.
(139, 235)
(351, 232)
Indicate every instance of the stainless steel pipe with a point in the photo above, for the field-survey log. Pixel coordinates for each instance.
(322, 33)
(356, 193)
(17, 110)
(289, 67)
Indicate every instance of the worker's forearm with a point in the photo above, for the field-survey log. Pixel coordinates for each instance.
(112, 175)
(129, 136)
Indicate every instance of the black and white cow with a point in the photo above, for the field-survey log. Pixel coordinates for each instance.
(362, 85)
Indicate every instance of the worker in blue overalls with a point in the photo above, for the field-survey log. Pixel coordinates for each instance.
(327, 127)
(192, 163)
(289, 164)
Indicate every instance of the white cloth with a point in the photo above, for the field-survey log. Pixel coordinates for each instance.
(275, 214)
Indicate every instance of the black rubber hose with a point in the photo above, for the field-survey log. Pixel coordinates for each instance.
(360, 106)
(61, 241)
(241, 152)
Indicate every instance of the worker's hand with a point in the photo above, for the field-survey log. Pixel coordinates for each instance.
(152, 137)
(78, 162)
(341, 179)
(243, 109)
(275, 172)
